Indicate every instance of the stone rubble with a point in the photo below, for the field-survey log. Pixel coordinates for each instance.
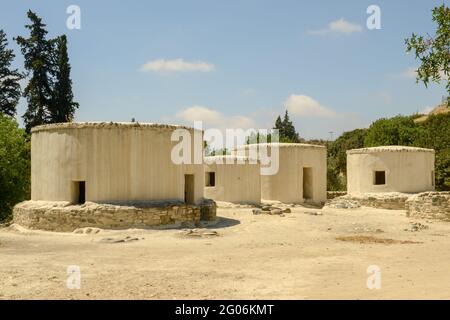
(416, 226)
(271, 210)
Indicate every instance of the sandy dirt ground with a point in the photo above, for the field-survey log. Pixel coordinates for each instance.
(298, 256)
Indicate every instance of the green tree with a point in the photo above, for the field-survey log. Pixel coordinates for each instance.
(286, 129)
(442, 170)
(63, 106)
(433, 52)
(399, 130)
(337, 149)
(37, 52)
(337, 157)
(279, 125)
(435, 134)
(289, 133)
(14, 166)
(9, 79)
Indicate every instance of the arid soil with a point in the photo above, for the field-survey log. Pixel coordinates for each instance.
(305, 254)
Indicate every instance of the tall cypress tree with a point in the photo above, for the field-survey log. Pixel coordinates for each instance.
(37, 51)
(63, 107)
(279, 126)
(9, 79)
(289, 132)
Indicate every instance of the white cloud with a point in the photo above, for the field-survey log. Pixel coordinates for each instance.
(177, 65)
(305, 106)
(213, 118)
(338, 26)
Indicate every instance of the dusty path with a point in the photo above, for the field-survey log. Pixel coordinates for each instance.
(253, 257)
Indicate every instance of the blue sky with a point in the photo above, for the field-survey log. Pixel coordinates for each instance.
(238, 63)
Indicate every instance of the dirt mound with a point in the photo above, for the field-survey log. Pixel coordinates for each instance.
(442, 108)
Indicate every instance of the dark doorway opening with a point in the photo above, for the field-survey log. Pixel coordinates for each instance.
(379, 177)
(189, 188)
(80, 192)
(307, 183)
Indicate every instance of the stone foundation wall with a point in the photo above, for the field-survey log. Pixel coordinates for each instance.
(335, 194)
(62, 216)
(429, 205)
(388, 200)
(208, 210)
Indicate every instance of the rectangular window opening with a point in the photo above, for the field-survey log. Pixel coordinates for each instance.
(210, 179)
(379, 177)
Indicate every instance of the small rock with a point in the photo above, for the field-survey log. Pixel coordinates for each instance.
(313, 213)
(276, 211)
(87, 230)
(287, 210)
(256, 211)
(417, 226)
(200, 233)
(118, 240)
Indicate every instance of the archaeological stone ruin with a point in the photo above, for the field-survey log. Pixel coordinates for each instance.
(301, 175)
(232, 179)
(122, 175)
(393, 177)
(390, 169)
(84, 174)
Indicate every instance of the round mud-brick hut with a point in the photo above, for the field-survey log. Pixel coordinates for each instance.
(232, 179)
(390, 169)
(301, 174)
(86, 174)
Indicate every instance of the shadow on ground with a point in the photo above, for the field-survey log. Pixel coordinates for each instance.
(221, 222)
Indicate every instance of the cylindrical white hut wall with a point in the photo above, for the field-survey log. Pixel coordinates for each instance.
(116, 163)
(301, 174)
(404, 169)
(233, 181)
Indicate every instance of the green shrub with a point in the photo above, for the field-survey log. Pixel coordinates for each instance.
(14, 166)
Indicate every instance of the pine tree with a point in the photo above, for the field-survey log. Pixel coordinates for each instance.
(63, 107)
(279, 126)
(289, 133)
(9, 79)
(37, 52)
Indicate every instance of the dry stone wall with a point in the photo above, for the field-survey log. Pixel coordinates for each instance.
(388, 200)
(64, 217)
(335, 194)
(430, 205)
